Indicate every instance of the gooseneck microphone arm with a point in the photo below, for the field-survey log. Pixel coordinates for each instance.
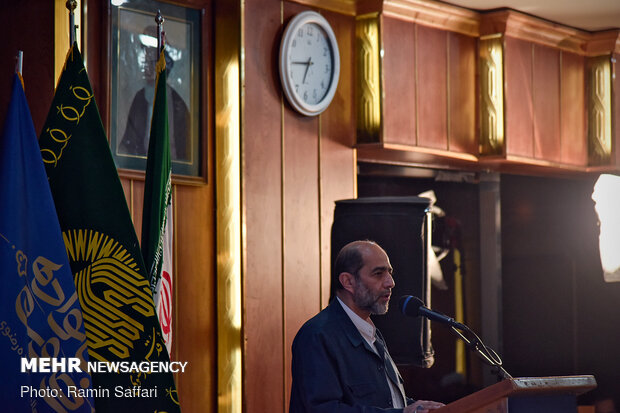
(414, 307)
(486, 353)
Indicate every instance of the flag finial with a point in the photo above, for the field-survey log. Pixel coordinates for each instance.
(71, 6)
(159, 19)
(19, 60)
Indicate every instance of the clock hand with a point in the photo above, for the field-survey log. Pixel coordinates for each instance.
(307, 67)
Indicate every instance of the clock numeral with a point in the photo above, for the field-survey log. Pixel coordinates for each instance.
(296, 88)
(300, 33)
(323, 84)
(326, 68)
(314, 94)
(306, 96)
(310, 31)
(294, 43)
(325, 51)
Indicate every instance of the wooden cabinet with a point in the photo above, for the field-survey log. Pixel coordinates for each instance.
(440, 86)
(416, 86)
(543, 87)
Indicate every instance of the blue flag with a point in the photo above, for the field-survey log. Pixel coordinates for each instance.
(43, 351)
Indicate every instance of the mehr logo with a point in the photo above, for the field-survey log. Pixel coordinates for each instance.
(51, 365)
(72, 364)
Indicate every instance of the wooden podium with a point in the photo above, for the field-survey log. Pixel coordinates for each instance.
(525, 395)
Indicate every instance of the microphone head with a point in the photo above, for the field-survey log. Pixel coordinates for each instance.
(409, 305)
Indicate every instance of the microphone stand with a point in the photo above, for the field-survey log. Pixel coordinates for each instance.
(487, 354)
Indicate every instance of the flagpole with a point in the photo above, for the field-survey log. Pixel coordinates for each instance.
(19, 63)
(71, 6)
(159, 19)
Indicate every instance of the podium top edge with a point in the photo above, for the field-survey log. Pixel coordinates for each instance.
(508, 388)
(418, 200)
(558, 382)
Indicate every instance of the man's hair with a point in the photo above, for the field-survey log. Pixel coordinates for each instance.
(350, 260)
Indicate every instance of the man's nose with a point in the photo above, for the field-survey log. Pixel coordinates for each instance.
(389, 281)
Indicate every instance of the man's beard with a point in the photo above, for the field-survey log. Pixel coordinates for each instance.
(366, 300)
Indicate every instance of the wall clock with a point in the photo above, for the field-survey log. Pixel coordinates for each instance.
(309, 63)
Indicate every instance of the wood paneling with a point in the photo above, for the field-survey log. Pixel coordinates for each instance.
(540, 124)
(431, 46)
(336, 159)
(126, 183)
(526, 27)
(294, 168)
(399, 65)
(545, 103)
(546, 98)
(574, 148)
(195, 330)
(301, 221)
(434, 14)
(462, 110)
(262, 206)
(137, 200)
(301, 227)
(519, 109)
(429, 89)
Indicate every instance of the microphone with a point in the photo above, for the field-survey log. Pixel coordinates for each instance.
(414, 307)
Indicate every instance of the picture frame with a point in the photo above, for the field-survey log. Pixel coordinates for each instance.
(134, 56)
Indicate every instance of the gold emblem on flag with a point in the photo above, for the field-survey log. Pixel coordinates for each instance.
(114, 295)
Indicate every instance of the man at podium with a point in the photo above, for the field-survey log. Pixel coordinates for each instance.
(340, 360)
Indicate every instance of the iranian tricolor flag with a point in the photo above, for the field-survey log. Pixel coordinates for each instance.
(157, 210)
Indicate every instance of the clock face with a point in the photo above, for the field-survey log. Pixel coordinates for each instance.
(309, 63)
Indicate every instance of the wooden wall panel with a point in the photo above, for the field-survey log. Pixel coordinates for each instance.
(302, 295)
(518, 97)
(399, 86)
(574, 150)
(546, 98)
(294, 168)
(262, 206)
(462, 110)
(431, 64)
(126, 183)
(336, 158)
(137, 200)
(195, 331)
(194, 287)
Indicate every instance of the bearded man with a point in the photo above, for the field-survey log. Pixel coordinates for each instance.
(340, 360)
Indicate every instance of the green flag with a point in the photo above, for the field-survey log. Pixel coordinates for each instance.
(122, 331)
(157, 210)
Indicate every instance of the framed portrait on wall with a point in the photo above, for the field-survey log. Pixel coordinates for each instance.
(133, 61)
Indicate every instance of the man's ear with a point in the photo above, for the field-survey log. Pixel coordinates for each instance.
(347, 280)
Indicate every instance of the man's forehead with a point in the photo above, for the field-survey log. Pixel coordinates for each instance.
(374, 255)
